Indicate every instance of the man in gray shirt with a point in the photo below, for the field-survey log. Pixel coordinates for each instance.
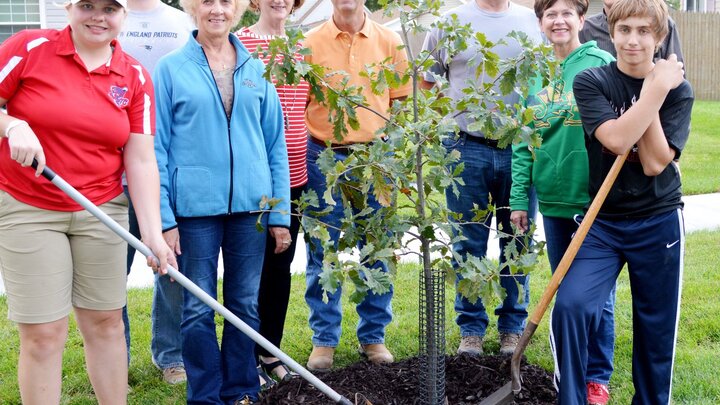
(486, 175)
(153, 29)
(596, 29)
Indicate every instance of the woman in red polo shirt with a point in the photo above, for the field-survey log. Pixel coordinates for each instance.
(77, 101)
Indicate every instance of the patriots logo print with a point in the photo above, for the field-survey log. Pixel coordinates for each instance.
(118, 96)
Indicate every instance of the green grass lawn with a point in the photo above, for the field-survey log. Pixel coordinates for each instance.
(696, 365)
(696, 369)
(700, 161)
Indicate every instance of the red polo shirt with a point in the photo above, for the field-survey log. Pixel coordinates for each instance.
(82, 119)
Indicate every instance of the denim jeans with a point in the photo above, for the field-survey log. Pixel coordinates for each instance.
(221, 374)
(558, 234)
(486, 175)
(166, 341)
(375, 310)
(167, 305)
(134, 230)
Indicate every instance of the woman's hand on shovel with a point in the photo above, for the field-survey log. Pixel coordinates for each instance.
(163, 252)
(25, 146)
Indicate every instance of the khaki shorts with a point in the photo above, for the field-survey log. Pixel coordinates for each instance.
(51, 261)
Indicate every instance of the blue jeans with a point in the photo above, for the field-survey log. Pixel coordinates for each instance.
(167, 305)
(166, 341)
(558, 234)
(487, 174)
(134, 230)
(225, 373)
(375, 310)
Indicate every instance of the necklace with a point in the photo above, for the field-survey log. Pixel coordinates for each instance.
(224, 68)
(287, 110)
(219, 61)
(263, 33)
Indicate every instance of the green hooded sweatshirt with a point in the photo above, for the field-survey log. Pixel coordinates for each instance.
(559, 170)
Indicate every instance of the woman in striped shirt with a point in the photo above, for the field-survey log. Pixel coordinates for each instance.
(275, 281)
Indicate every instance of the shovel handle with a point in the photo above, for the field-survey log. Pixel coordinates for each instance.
(563, 268)
(190, 286)
(578, 239)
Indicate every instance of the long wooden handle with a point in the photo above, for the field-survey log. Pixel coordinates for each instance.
(562, 269)
(577, 240)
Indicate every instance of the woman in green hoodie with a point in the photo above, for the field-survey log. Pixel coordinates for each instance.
(558, 168)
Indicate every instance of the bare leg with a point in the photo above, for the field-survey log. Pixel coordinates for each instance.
(40, 362)
(105, 353)
(279, 371)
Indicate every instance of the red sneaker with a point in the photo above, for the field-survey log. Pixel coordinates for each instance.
(597, 394)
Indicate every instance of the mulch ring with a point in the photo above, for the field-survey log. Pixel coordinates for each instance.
(469, 379)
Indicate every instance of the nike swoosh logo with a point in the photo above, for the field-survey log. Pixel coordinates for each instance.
(669, 245)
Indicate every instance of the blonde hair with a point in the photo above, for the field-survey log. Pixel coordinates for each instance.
(191, 7)
(255, 7)
(656, 10)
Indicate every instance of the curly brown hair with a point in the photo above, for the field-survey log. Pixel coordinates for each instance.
(581, 6)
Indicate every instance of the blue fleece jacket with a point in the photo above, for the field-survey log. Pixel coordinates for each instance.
(211, 164)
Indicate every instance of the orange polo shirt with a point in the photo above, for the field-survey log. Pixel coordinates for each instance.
(337, 50)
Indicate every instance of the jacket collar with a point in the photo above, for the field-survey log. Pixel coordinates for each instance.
(195, 52)
(579, 52)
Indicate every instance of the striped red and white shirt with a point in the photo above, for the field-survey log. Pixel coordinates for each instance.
(292, 100)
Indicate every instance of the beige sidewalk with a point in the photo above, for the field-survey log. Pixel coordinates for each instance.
(702, 212)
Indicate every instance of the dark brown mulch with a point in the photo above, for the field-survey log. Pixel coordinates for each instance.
(468, 379)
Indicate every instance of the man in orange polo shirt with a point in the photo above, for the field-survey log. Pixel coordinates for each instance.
(347, 42)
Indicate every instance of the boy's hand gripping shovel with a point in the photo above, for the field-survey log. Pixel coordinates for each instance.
(193, 288)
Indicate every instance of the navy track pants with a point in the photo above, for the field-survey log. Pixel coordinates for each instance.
(653, 248)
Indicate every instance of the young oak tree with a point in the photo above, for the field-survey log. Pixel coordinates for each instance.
(411, 163)
(409, 172)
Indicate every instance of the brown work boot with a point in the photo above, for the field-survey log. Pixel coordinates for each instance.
(321, 358)
(508, 342)
(376, 353)
(471, 345)
(174, 375)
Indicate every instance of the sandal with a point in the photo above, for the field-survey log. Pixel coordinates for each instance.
(269, 369)
(266, 382)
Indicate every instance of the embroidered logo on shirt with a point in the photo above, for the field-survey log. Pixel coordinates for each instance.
(556, 102)
(118, 96)
(249, 83)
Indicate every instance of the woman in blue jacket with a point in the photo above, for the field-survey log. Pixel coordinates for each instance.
(221, 152)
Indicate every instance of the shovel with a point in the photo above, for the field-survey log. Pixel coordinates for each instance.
(507, 392)
(193, 288)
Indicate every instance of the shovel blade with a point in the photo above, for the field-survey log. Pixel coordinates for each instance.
(361, 400)
(500, 397)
